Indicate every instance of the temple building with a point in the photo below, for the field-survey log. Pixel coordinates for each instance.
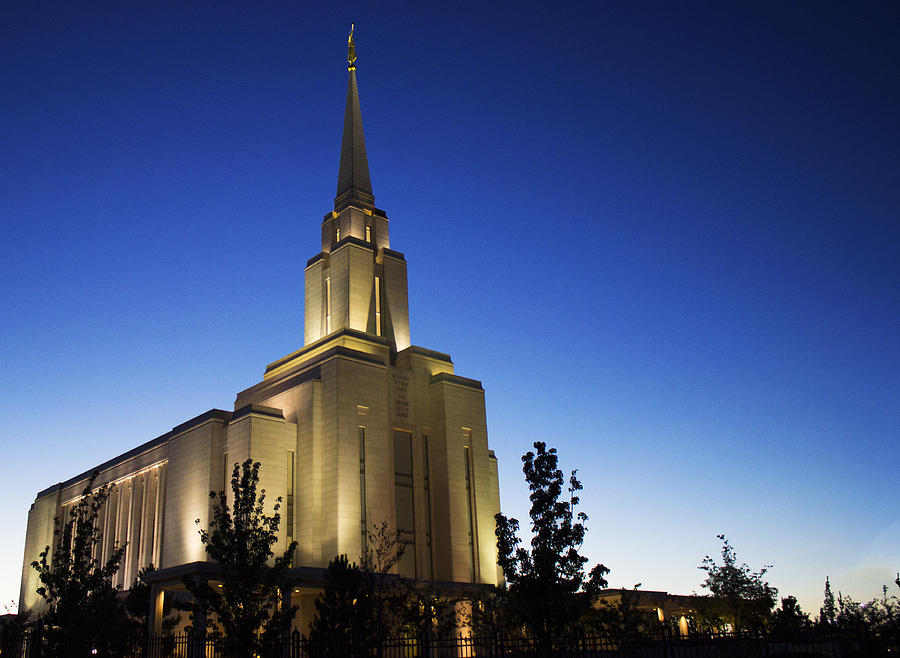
(356, 428)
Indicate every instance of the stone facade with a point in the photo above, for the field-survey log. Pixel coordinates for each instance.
(356, 428)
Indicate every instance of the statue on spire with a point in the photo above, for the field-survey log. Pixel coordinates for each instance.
(351, 50)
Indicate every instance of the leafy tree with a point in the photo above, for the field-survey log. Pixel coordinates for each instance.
(880, 616)
(883, 615)
(739, 596)
(547, 586)
(849, 615)
(827, 612)
(248, 605)
(83, 611)
(343, 609)
(789, 619)
(492, 613)
(12, 629)
(623, 621)
(432, 614)
(363, 604)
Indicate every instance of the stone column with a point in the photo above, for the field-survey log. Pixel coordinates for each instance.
(155, 616)
(199, 634)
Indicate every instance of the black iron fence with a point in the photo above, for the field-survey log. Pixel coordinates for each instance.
(818, 644)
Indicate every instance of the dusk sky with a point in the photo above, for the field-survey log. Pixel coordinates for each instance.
(665, 236)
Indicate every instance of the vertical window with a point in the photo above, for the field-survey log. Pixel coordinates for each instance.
(425, 471)
(368, 233)
(363, 524)
(327, 305)
(470, 494)
(225, 472)
(403, 495)
(105, 546)
(377, 305)
(289, 497)
(337, 234)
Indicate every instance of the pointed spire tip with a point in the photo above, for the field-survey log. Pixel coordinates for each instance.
(354, 185)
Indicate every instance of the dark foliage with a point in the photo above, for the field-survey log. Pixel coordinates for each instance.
(828, 611)
(548, 590)
(879, 616)
(248, 605)
(83, 611)
(364, 604)
(789, 619)
(623, 621)
(738, 596)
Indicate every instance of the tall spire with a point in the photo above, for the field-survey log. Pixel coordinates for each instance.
(353, 185)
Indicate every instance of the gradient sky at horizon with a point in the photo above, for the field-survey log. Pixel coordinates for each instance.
(665, 238)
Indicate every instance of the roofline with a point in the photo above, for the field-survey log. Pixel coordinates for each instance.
(212, 414)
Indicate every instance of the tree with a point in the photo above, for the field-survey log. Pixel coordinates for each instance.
(248, 606)
(492, 613)
(740, 596)
(83, 611)
(623, 620)
(789, 619)
(827, 612)
(547, 586)
(13, 628)
(849, 615)
(342, 610)
(430, 613)
(363, 604)
(880, 616)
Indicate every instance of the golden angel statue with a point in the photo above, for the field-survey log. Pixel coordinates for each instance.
(351, 48)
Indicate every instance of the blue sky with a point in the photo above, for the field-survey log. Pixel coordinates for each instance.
(664, 237)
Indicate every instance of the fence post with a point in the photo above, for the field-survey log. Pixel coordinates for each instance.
(37, 641)
(423, 644)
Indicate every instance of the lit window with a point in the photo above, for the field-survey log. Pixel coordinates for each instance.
(404, 501)
(377, 306)
(328, 305)
(363, 527)
(337, 234)
(289, 498)
(368, 233)
(470, 494)
(425, 469)
(226, 474)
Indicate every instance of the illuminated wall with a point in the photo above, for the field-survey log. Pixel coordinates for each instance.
(348, 432)
(357, 282)
(399, 439)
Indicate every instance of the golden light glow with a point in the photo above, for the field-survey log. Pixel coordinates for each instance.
(158, 610)
(328, 301)
(377, 306)
(323, 345)
(351, 50)
(117, 482)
